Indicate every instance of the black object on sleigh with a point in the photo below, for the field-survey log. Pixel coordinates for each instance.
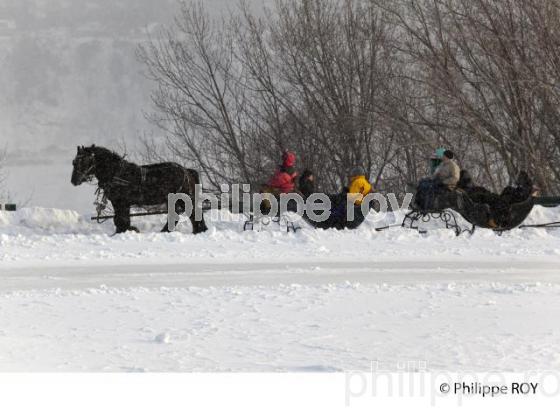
(338, 216)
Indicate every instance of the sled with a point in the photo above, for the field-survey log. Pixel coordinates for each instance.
(448, 205)
(335, 220)
(338, 222)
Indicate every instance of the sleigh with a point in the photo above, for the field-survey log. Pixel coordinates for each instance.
(334, 220)
(448, 206)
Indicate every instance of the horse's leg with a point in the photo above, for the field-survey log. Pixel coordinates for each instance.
(131, 227)
(166, 227)
(122, 217)
(179, 210)
(198, 226)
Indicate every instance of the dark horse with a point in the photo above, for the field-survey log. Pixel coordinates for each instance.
(125, 184)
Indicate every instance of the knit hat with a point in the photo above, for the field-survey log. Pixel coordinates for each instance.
(357, 171)
(439, 153)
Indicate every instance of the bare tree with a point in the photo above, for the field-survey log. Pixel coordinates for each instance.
(375, 83)
(200, 99)
(312, 76)
(478, 62)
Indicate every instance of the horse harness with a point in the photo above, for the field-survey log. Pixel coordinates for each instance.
(103, 189)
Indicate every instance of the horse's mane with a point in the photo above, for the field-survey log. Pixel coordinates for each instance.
(104, 153)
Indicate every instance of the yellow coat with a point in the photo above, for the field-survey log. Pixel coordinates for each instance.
(359, 188)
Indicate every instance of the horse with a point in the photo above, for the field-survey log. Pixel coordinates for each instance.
(126, 184)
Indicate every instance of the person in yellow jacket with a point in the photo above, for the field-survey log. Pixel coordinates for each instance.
(359, 185)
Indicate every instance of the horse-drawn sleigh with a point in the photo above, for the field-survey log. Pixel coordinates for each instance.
(123, 185)
(446, 207)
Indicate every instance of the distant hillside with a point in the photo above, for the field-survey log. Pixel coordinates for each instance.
(69, 76)
(68, 69)
(114, 16)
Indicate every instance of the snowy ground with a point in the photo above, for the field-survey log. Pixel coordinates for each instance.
(74, 298)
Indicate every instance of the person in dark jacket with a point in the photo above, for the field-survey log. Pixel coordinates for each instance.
(520, 191)
(477, 193)
(306, 183)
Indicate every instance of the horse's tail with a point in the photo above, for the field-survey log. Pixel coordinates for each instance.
(196, 177)
(193, 180)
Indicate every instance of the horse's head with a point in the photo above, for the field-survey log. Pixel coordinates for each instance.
(84, 165)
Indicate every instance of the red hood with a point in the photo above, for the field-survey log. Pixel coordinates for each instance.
(288, 159)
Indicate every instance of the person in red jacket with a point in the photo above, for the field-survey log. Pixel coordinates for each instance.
(283, 180)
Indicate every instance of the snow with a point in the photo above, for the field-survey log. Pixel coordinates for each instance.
(74, 298)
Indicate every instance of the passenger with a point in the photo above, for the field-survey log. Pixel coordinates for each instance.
(475, 192)
(465, 181)
(283, 181)
(520, 191)
(359, 185)
(306, 183)
(445, 178)
(448, 173)
(354, 195)
(435, 161)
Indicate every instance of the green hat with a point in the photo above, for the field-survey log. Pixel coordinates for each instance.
(439, 153)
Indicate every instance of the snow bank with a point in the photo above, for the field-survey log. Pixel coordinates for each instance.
(65, 238)
(48, 221)
(541, 215)
(44, 221)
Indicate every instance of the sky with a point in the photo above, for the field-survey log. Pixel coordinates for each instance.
(69, 76)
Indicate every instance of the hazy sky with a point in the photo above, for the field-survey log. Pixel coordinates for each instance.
(69, 76)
